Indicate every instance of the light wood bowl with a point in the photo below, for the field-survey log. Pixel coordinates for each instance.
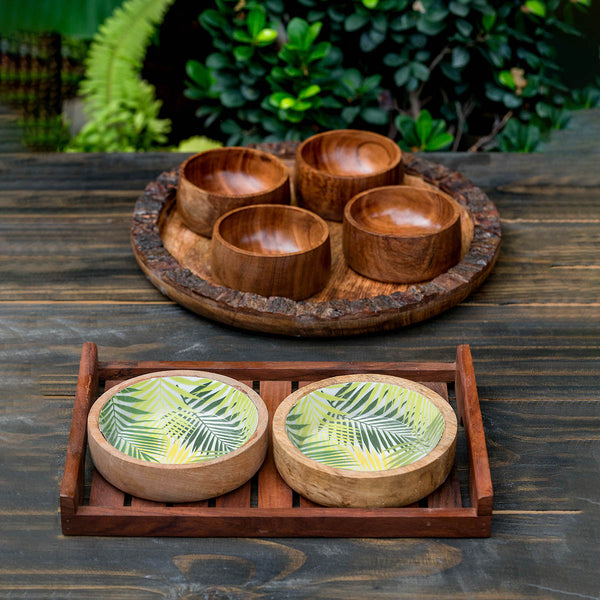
(401, 234)
(320, 450)
(216, 181)
(272, 250)
(162, 481)
(334, 166)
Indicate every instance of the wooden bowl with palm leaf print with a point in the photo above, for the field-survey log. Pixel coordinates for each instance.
(178, 436)
(364, 441)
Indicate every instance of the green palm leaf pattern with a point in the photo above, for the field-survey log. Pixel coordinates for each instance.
(365, 426)
(178, 419)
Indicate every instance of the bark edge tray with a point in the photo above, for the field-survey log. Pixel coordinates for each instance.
(112, 513)
(175, 261)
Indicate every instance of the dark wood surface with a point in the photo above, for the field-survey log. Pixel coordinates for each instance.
(67, 275)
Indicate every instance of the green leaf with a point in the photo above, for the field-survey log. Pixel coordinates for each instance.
(266, 36)
(242, 36)
(371, 4)
(488, 21)
(461, 10)
(232, 98)
(536, 7)
(424, 125)
(355, 21)
(243, 53)
(394, 60)
(401, 75)
(217, 61)
(255, 21)
(443, 140)
(460, 57)
(198, 73)
(375, 116)
(309, 92)
(297, 31)
(312, 34)
(420, 71)
(464, 28)
(506, 79)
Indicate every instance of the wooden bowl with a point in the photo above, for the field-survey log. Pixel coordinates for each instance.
(272, 250)
(401, 234)
(216, 181)
(364, 441)
(334, 166)
(178, 436)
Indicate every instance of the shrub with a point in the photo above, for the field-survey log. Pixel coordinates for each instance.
(281, 73)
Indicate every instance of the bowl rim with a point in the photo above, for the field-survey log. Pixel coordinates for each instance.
(349, 218)
(218, 237)
(447, 440)
(93, 427)
(384, 140)
(285, 176)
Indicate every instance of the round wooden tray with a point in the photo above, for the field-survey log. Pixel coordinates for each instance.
(176, 261)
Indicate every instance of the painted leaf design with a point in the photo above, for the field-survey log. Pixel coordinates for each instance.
(365, 426)
(178, 419)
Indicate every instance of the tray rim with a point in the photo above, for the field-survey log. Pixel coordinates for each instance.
(473, 521)
(327, 318)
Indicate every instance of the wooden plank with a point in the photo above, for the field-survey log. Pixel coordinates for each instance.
(103, 494)
(278, 370)
(467, 398)
(237, 498)
(448, 494)
(273, 492)
(87, 387)
(285, 522)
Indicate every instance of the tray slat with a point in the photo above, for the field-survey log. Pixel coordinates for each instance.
(272, 490)
(276, 515)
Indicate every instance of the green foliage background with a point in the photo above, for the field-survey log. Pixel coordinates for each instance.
(486, 72)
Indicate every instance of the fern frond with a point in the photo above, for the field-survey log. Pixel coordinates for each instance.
(116, 55)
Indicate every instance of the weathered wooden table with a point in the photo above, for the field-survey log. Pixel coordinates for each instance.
(68, 276)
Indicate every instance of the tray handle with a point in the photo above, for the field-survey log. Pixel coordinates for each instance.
(87, 389)
(480, 481)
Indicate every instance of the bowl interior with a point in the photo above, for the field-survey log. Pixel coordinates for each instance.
(178, 420)
(235, 171)
(272, 229)
(400, 210)
(364, 426)
(350, 153)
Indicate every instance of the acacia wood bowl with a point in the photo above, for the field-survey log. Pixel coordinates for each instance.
(401, 234)
(272, 250)
(216, 181)
(147, 435)
(364, 441)
(334, 166)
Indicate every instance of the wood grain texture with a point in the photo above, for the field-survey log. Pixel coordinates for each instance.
(401, 234)
(67, 274)
(331, 486)
(187, 482)
(175, 261)
(334, 166)
(223, 179)
(271, 250)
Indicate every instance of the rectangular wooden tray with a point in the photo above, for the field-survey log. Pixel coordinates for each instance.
(266, 506)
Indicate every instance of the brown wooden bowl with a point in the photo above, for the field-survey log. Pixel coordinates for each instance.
(216, 181)
(272, 250)
(334, 166)
(364, 441)
(135, 462)
(401, 234)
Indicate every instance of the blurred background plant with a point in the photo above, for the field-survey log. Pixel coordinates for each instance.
(433, 74)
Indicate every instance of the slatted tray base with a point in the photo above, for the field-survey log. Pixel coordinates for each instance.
(266, 506)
